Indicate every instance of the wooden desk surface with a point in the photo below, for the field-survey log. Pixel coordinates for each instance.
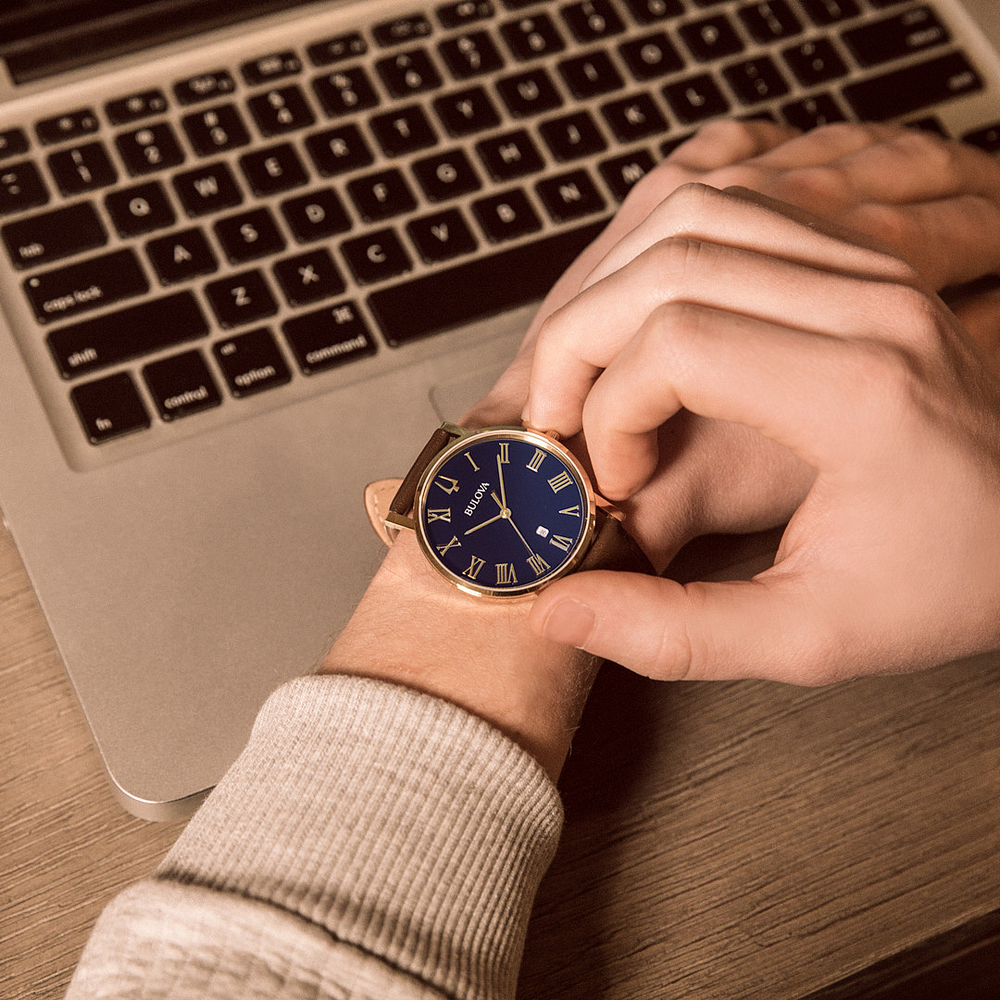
(723, 841)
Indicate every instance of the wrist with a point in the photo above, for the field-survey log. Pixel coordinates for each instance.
(413, 628)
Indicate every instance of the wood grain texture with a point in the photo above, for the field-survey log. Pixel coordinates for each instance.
(722, 840)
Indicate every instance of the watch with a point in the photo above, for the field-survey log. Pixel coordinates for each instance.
(503, 511)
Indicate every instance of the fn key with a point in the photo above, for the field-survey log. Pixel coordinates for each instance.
(110, 407)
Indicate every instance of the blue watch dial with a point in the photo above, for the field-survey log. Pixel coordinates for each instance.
(503, 512)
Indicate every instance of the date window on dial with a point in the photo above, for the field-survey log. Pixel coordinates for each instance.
(542, 531)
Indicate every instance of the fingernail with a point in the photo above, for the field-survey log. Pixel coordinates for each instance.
(569, 622)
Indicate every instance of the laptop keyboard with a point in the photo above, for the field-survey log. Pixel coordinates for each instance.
(204, 240)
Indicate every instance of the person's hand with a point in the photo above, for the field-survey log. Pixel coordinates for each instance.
(833, 348)
(930, 199)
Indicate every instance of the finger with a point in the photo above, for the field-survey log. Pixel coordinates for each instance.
(745, 218)
(824, 144)
(583, 338)
(726, 141)
(716, 145)
(793, 387)
(765, 628)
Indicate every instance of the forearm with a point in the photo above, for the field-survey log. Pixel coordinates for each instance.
(369, 841)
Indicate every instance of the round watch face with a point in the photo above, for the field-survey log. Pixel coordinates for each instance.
(504, 511)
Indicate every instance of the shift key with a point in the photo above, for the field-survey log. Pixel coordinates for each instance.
(128, 333)
(88, 284)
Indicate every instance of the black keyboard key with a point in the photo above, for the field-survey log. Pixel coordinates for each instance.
(987, 139)
(150, 148)
(204, 87)
(140, 209)
(241, 298)
(87, 284)
(813, 112)
(571, 196)
(337, 49)
(696, 98)
(770, 20)
(573, 136)
(110, 407)
(376, 256)
(271, 67)
(136, 107)
(815, 62)
(309, 277)
(591, 75)
(403, 130)
(329, 338)
(72, 125)
(273, 170)
(249, 235)
(251, 363)
(400, 30)
(209, 188)
(21, 188)
(181, 385)
(215, 130)
(315, 216)
(826, 12)
(471, 54)
(281, 110)
(506, 216)
(477, 289)
(181, 256)
(653, 11)
(454, 15)
(651, 56)
(345, 91)
(592, 20)
(711, 38)
(129, 333)
(532, 37)
(446, 175)
(622, 173)
(894, 37)
(54, 235)
(408, 73)
(467, 112)
(903, 91)
(634, 118)
(530, 93)
(82, 169)
(509, 156)
(339, 150)
(441, 236)
(756, 80)
(13, 142)
(381, 195)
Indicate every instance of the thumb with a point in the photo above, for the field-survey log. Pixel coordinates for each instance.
(698, 631)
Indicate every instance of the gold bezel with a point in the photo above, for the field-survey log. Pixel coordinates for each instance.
(530, 436)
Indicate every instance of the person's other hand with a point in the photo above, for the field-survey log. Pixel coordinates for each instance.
(930, 199)
(834, 349)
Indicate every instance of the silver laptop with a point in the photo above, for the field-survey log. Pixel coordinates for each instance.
(253, 251)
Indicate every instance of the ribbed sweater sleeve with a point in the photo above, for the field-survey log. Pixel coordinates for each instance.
(370, 841)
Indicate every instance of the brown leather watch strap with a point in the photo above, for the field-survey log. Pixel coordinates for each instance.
(614, 548)
(402, 504)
